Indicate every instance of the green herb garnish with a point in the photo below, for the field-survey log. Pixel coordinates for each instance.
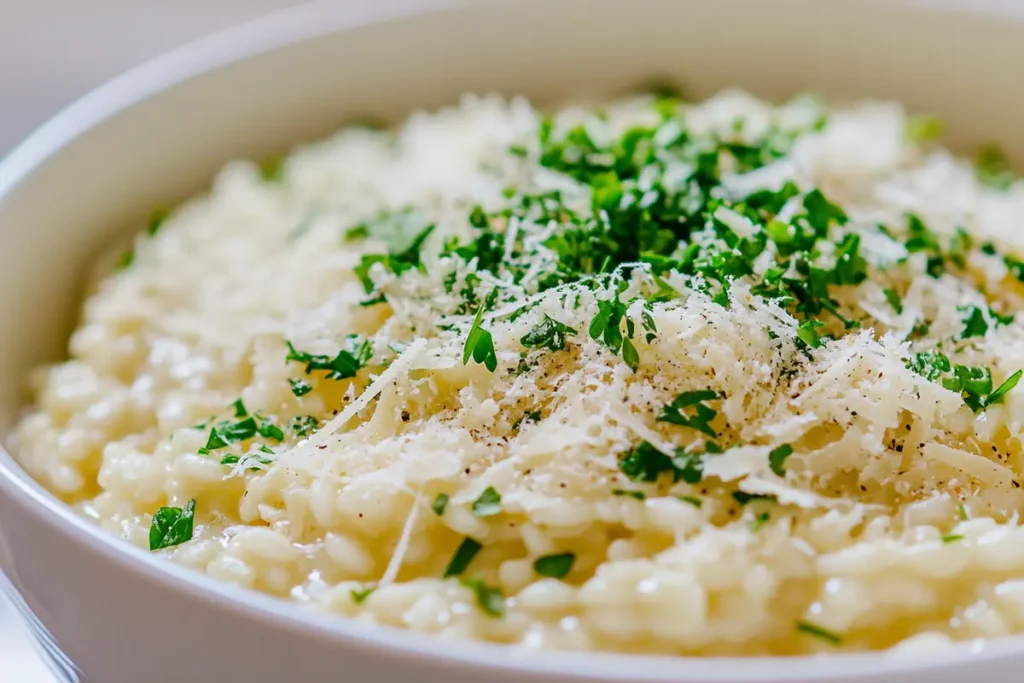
(488, 599)
(172, 526)
(488, 503)
(464, 554)
(359, 595)
(354, 356)
(689, 410)
(818, 632)
(480, 345)
(549, 334)
(440, 504)
(554, 566)
(777, 459)
(300, 387)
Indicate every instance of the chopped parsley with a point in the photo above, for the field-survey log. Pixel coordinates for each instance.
(359, 595)
(488, 598)
(759, 522)
(647, 463)
(688, 409)
(440, 504)
(993, 168)
(404, 233)
(549, 334)
(894, 300)
(743, 498)
(692, 500)
(975, 324)
(952, 538)
(464, 554)
(156, 220)
(972, 383)
(354, 355)
(488, 503)
(554, 566)
(920, 129)
(271, 169)
(777, 459)
(638, 495)
(300, 387)
(172, 526)
(819, 632)
(303, 425)
(527, 418)
(125, 260)
(480, 345)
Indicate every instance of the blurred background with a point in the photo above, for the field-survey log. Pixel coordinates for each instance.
(53, 51)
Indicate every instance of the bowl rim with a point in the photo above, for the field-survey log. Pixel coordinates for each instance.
(297, 24)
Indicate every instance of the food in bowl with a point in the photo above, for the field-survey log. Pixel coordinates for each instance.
(723, 378)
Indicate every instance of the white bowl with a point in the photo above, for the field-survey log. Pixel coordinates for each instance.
(159, 132)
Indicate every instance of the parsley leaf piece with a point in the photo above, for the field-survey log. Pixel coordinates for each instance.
(777, 458)
(303, 425)
(271, 169)
(125, 260)
(931, 366)
(821, 212)
(692, 500)
(951, 538)
(894, 300)
(549, 333)
(554, 566)
(480, 345)
(300, 387)
(1004, 388)
(355, 354)
(759, 522)
(156, 220)
(605, 325)
(975, 324)
(225, 433)
(639, 495)
(464, 554)
(742, 497)
(818, 632)
(527, 418)
(807, 332)
(675, 412)
(359, 595)
(630, 355)
(172, 526)
(993, 168)
(645, 463)
(489, 599)
(240, 409)
(440, 504)
(920, 129)
(488, 503)
(851, 268)
(269, 430)
(689, 467)
(357, 232)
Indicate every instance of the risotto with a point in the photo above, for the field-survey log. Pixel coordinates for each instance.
(724, 378)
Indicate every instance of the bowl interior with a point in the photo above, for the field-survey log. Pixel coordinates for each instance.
(160, 132)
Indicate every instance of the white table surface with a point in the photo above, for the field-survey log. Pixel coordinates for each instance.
(52, 51)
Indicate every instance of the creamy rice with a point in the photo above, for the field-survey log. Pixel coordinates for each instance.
(857, 505)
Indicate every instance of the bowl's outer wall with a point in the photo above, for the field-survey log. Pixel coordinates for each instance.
(117, 622)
